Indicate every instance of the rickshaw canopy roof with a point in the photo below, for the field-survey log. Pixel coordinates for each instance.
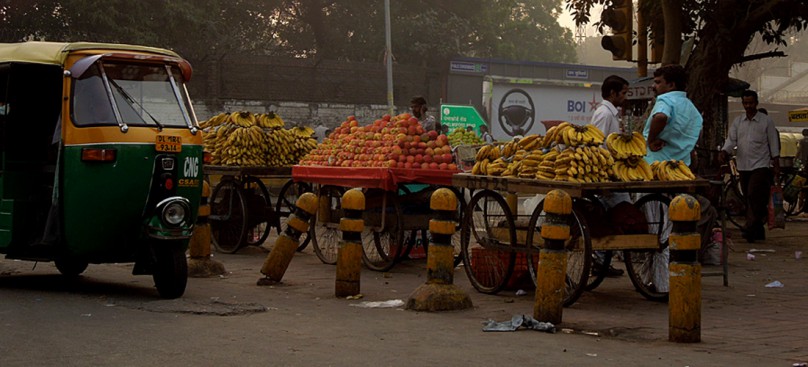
(55, 53)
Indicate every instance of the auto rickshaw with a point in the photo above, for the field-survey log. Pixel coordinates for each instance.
(100, 158)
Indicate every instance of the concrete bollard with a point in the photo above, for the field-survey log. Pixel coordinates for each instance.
(281, 255)
(684, 305)
(200, 265)
(439, 293)
(349, 254)
(552, 268)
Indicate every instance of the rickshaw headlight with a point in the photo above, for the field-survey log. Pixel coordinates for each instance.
(174, 212)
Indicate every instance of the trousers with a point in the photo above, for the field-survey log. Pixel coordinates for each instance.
(756, 185)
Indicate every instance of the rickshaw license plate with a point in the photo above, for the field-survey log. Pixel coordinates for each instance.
(168, 143)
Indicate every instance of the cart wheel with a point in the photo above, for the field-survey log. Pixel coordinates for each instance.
(456, 241)
(382, 241)
(598, 269)
(488, 236)
(260, 208)
(285, 205)
(579, 252)
(734, 204)
(70, 267)
(640, 264)
(171, 269)
(324, 230)
(228, 217)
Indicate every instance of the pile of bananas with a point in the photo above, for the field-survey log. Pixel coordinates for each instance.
(573, 135)
(507, 159)
(587, 163)
(633, 168)
(246, 139)
(672, 170)
(626, 145)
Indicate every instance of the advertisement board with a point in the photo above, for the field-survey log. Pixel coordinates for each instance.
(458, 116)
(531, 106)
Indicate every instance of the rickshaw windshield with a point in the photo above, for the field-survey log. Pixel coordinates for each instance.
(143, 95)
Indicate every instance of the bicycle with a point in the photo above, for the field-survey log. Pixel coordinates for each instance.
(792, 184)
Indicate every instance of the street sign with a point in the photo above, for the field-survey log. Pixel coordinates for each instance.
(457, 116)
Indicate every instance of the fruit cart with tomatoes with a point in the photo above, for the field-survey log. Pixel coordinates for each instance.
(397, 164)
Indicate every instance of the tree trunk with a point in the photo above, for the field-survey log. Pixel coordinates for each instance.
(672, 11)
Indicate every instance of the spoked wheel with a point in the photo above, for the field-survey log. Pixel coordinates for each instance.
(488, 237)
(648, 269)
(171, 269)
(579, 252)
(383, 236)
(600, 265)
(413, 238)
(259, 206)
(228, 216)
(285, 206)
(734, 204)
(324, 228)
(70, 267)
(457, 243)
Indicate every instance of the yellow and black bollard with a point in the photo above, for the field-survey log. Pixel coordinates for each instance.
(439, 293)
(200, 265)
(349, 254)
(552, 268)
(684, 305)
(281, 255)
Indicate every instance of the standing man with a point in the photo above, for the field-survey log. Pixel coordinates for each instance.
(674, 125)
(758, 161)
(485, 135)
(607, 119)
(418, 107)
(606, 116)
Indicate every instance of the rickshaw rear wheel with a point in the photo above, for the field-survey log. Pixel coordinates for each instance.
(170, 270)
(228, 219)
(70, 267)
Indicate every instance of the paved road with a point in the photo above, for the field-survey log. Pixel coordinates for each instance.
(109, 317)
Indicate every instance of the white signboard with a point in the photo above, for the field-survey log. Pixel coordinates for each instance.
(530, 109)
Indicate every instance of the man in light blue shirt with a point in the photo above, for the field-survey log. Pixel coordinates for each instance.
(674, 125)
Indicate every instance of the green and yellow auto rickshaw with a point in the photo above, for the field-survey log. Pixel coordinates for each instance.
(100, 158)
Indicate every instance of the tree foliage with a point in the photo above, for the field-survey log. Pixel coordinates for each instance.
(424, 32)
(721, 31)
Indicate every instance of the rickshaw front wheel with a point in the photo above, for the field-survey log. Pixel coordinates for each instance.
(170, 270)
(70, 267)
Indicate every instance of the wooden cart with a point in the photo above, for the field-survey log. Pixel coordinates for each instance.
(494, 236)
(242, 212)
(397, 210)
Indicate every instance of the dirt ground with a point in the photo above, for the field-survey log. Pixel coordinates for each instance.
(109, 317)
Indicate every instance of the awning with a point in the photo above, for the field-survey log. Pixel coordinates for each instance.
(798, 115)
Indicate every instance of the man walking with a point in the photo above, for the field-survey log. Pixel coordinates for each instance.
(757, 159)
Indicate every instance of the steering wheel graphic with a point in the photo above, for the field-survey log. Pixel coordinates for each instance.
(516, 119)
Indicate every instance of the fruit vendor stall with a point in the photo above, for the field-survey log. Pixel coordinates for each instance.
(500, 240)
(252, 155)
(397, 165)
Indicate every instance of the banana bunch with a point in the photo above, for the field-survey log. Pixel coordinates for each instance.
(583, 164)
(545, 170)
(270, 120)
(496, 167)
(529, 162)
(624, 146)
(214, 121)
(573, 135)
(633, 169)
(237, 146)
(490, 152)
(242, 119)
(286, 147)
(672, 170)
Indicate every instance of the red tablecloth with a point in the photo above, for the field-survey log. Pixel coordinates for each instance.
(374, 178)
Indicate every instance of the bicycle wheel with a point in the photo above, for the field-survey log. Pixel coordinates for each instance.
(578, 247)
(648, 269)
(383, 235)
(734, 203)
(285, 205)
(259, 206)
(488, 254)
(324, 228)
(228, 216)
(598, 269)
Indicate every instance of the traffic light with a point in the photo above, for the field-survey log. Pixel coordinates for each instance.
(620, 18)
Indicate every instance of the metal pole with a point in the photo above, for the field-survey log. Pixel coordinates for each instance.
(388, 56)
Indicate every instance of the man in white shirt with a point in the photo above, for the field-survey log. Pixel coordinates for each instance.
(606, 116)
(758, 161)
(418, 107)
